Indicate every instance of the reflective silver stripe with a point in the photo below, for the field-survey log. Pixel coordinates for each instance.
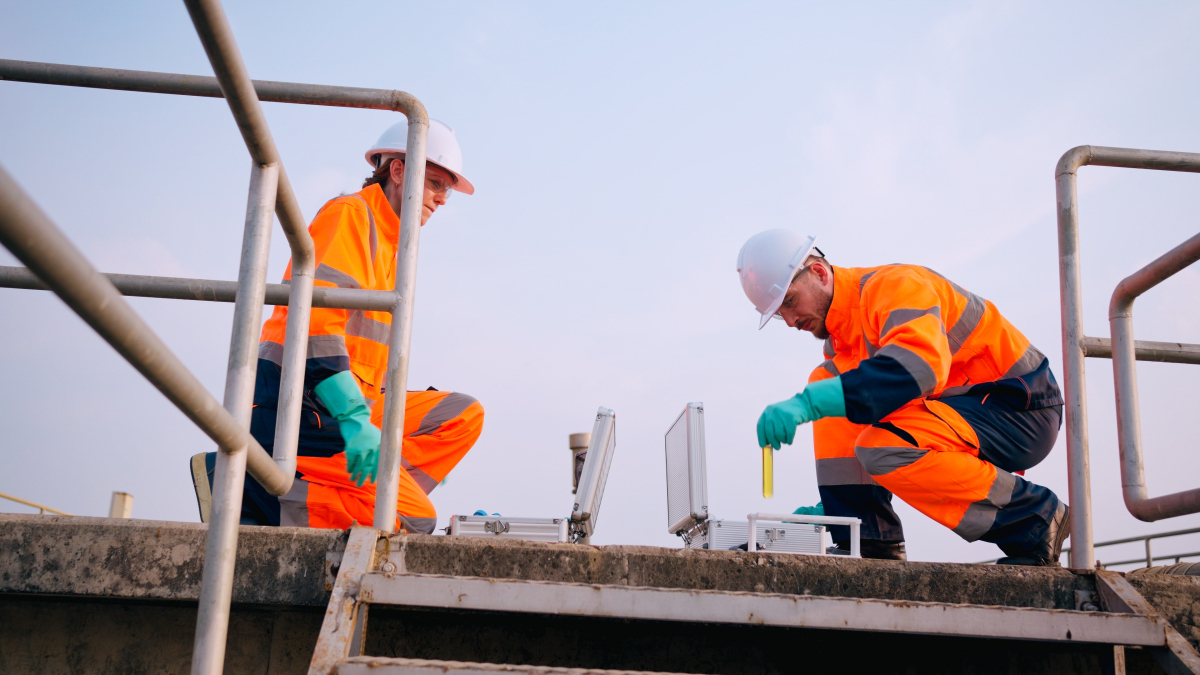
(954, 391)
(326, 273)
(902, 316)
(1029, 361)
(372, 236)
(863, 282)
(871, 348)
(293, 506)
(418, 525)
(971, 315)
(982, 514)
(916, 366)
(830, 367)
(324, 346)
(319, 347)
(828, 348)
(427, 482)
(842, 471)
(271, 351)
(446, 409)
(882, 461)
(359, 325)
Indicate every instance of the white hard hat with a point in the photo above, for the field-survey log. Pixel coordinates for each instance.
(441, 148)
(767, 264)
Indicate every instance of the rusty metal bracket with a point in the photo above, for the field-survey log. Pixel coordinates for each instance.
(1117, 595)
(341, 631)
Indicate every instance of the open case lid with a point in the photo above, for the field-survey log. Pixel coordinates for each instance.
(687, 484)
(595, 471)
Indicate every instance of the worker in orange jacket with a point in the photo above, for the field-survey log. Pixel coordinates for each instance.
(356, 237)
(927, 392)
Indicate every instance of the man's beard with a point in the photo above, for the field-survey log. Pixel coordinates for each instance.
(819, 331)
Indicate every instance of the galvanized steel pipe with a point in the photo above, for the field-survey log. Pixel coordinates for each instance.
(1129, 431)
(28, 233)
(1070, 285)
(209, 290)
(387, 486)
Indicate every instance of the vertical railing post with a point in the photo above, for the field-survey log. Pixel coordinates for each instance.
(1070, 286)
(216, 585)
(251, 293)
(392, 447)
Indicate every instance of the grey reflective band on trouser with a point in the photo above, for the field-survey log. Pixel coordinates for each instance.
(427, 482)
(842, 471)
(446, 409)
(921, 372)
(953, 391)
(326, 273)
(830, 367)
(882, 461)
(899, 317)
(293, 506)
(971, 316)
(417, 525)
(979, 516)
(359, 325)
(1029, 361)
(319, 347)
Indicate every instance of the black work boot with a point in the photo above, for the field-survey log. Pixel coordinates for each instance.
(1046, 551)
(874, 549)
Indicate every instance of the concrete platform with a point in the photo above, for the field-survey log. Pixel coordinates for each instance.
(98, 595)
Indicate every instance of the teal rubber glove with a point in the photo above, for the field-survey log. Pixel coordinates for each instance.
(777, 424)
(344, 400)
(818, 510)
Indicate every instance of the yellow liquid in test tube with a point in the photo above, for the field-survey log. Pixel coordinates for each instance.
(768, 472)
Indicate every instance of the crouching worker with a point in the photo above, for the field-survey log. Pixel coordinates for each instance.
(356, 237)
(928, 393)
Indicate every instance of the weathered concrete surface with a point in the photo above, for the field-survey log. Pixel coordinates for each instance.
(152, 559)
(102, 557)
(98, 595)
(1175, 597)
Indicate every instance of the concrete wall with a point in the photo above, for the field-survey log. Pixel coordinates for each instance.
(87, 595)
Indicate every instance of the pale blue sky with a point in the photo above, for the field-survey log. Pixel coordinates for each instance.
(622, 154)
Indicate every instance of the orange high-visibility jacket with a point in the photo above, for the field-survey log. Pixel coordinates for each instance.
(355, 237)
(903, 332)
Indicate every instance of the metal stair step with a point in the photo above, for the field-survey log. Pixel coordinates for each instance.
(766, 609)
(374, 665)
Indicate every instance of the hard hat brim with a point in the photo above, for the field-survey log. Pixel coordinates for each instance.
(774, 306)
(461, 184)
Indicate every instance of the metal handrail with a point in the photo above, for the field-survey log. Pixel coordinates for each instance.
(209, 290)
(1074, 346)
(31, 236)
(1129, 540)
(1129, 432)
(40, 507)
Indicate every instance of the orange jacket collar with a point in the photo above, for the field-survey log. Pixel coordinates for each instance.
(385, 218)
(843, 311)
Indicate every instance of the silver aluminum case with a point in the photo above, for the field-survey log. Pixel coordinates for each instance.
(553, 530)
(723, 535)
(687, 484)
(595, 472)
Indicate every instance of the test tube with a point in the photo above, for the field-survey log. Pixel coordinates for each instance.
(768, 472)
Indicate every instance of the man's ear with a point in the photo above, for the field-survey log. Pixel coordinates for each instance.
(823, 272)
